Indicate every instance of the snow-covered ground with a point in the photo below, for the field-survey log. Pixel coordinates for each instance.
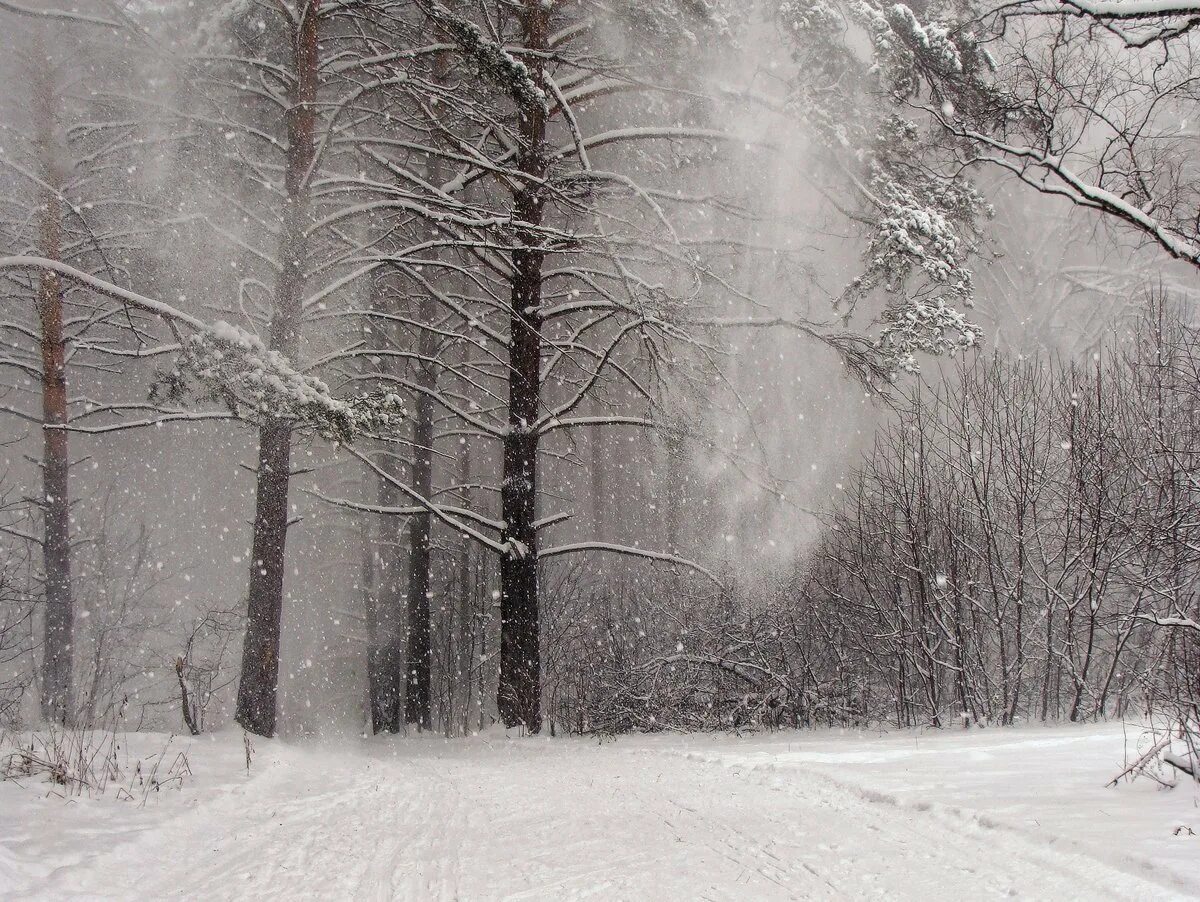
(826, 815)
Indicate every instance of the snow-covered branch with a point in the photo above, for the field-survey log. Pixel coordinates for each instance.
(629, 551)
(237, 368)
(56, 15)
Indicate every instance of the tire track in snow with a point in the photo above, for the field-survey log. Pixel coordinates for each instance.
(982, 852)
(436, 819)
(567, 820)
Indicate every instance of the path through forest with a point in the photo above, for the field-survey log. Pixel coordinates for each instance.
(790, 816)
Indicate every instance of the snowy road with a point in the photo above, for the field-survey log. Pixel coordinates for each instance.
(658, 818)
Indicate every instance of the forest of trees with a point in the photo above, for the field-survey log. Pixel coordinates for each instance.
(1018, 545)
(468, 294)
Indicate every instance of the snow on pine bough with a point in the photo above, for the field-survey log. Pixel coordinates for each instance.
(236, 368)
(252, 380)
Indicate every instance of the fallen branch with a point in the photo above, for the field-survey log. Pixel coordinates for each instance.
(1185, 763)
(1138, 767)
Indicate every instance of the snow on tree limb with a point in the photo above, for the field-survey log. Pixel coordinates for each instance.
(917, 207)
(409, 510)
(101, 286)
(1108, 10)
(925, 325)
(1179, 622)
(1025, 114)
(436, 510)
(1080, 190)
(257, 381)
(629, 551)
(493, 61)
(237, 368)
(56, 15)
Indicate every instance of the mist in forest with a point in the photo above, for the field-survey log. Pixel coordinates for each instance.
(362, 191)
(477, 449)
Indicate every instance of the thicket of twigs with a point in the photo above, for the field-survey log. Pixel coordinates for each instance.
(90, 763)
(1023, 543)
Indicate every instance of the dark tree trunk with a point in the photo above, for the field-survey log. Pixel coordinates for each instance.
(185, 700)
(386, 676)
(260, 653)
(418, 701)
(519, 693)
(466, 636)
(258, 687)
(385, 652)
(56, 499)
(674, 494)
(370, 597)
(596, 482)
(59, 621)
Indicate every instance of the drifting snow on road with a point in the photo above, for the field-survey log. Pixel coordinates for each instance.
(987, 814)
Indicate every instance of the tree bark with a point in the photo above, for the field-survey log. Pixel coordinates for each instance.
(56, 499)
(466, 635)
(385, 652)
(59, 620)
(600, 508)
(386, 676)
(519, 693)
(257, 690)
(418, 700)
(185, 700)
